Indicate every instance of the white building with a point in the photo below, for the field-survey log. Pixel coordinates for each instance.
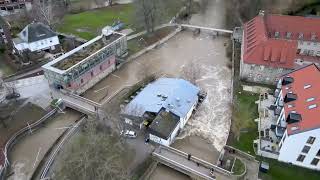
(163, 107)
(36, 37)
(297, 122)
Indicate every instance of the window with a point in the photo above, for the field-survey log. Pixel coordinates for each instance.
(306, 149)
(311, 140)
(92, 73)
(318, 153)
(301, 158)
(81, 81)
(312, 106)
(315, 161)
(310, 99)
(307, 86)
(100, 67)
(290, 105)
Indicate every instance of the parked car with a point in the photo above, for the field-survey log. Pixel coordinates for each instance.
(128, 133)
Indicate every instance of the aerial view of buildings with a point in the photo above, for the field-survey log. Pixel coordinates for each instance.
(159, 89)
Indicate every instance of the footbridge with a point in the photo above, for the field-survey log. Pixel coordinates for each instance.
(206, 28)
(78, 103)
(192, 166)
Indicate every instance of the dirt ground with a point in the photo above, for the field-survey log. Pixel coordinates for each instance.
(20, 109)
(28, 152)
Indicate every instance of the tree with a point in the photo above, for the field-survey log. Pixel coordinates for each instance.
(96, 154)
(48, 12)
(149, 13)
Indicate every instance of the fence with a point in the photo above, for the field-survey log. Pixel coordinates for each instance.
(16, 136)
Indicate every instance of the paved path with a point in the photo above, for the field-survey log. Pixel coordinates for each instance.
(193, 166)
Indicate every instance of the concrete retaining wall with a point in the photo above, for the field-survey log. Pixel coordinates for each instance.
(15, 138)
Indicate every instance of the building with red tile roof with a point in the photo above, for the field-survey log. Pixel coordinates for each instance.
(275, 44)
(298, 122)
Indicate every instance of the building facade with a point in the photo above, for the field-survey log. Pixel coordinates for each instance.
(163, 107)
(81, 68)
(36, 37)
(8, 7)
(273, 45)
(294, 133)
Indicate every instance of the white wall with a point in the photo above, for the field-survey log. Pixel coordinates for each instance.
(44, 44)
(39, 45)
(159, 140)
(183, 121)
(293, 145)
(309, 48)
(163, 141)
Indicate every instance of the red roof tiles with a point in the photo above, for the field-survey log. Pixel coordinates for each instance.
(309, 75)
(272, 40)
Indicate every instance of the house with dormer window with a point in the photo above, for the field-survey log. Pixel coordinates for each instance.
(36, 37)
(273, 45)
(290, 131)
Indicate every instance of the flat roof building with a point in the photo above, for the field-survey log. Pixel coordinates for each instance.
(165, 105)
(81, 68)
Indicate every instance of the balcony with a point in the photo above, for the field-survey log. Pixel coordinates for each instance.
(267, 143)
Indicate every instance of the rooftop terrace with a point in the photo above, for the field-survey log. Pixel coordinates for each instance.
(87, 49)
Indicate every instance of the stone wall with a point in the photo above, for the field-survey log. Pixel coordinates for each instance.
(261, 74)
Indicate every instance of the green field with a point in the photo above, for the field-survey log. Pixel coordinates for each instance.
(245, 113)
(244, 127)
(88, 24)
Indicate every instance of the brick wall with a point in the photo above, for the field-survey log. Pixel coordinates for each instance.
(91, 74)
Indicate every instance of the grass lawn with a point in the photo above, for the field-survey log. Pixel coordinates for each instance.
(88, 24)
(283, 171)
(137, 44)
(238, 167)
(245, 112)
(243, 125)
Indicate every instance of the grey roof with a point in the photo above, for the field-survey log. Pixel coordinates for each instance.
(164, 124)
(37, 31)
(176, 95)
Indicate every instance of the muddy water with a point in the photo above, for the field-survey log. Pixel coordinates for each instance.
(163, 172)
(213, 119)
(206, 132)
(28, 152)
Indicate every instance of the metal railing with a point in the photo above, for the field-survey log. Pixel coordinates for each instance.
(18, 134)
(49, 163)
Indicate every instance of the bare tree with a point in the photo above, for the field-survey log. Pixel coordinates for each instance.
(192, 72)
(48, 12)
(96, 155)
(149, 13)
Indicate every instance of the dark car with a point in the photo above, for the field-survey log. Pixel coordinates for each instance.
(12, 96)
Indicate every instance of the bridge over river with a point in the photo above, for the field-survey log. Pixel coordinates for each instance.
(194, 167)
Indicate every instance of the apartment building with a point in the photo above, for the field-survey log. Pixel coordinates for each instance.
(273, 45)
(292, 133)
(8, 7)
